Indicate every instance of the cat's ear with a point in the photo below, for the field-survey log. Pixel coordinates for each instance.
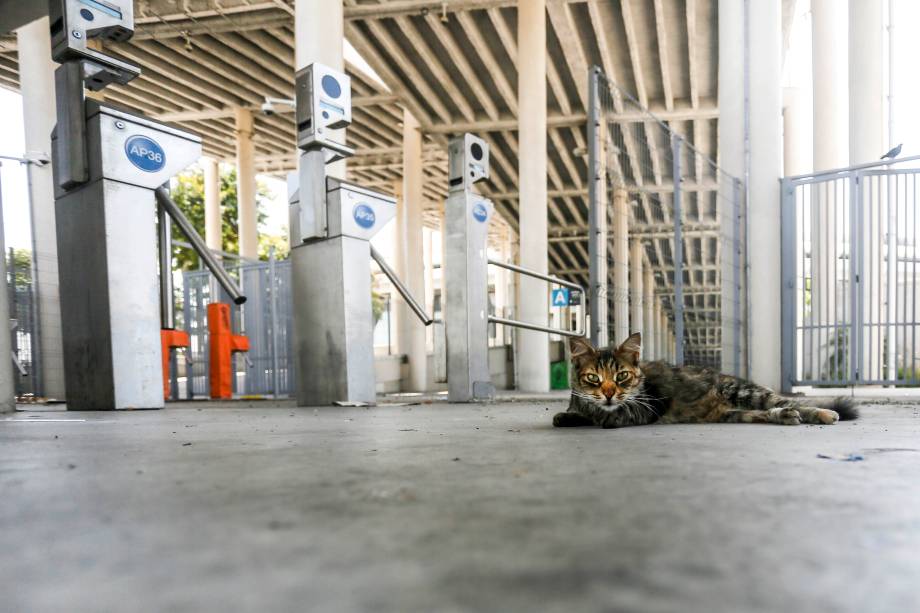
(631, 348)
(581, 348)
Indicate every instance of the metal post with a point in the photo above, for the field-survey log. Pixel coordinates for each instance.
(678, 255)
(737, 276)
(167, 304)
(273, 320)
(788, 255)
(597, 214)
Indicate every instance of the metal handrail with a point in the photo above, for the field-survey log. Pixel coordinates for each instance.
(402, 289)
(837, 171)
(516, 323)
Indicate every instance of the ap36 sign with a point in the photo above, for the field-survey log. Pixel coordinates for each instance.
(145, 153)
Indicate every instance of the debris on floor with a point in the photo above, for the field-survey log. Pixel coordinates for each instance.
(848, 457)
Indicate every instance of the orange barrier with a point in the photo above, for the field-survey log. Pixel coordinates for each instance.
(169, 340)
(222, 345)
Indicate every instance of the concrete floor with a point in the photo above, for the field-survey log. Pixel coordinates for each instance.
(453, 508)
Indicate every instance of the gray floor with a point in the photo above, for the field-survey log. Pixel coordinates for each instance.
(445, 508)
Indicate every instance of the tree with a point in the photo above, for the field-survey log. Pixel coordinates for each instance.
(188, 193)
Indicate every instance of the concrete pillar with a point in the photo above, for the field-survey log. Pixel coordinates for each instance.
(533, 347)
(731, 158)
(7, 383)
(648, 314)
(764, 116)
(766, 167)
(213, 221)
(409, 266)
(636, 280)
(867, 143)
(663, 333)
(620, 266)
(797, 136)
(319, 29)
(34, 42)
(246, 185)
(830, 142)
(829, 79)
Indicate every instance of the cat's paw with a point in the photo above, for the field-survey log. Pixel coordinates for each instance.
(818, 416)
(786, 416)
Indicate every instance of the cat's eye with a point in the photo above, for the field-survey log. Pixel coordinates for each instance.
(622, 376)
(592, 379)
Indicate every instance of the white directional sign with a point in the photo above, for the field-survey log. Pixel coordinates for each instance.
(560, 297)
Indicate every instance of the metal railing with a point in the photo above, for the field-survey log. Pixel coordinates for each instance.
(851, 283)
(516, 323)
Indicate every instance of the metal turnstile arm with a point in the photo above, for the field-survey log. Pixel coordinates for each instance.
(402, 289)
(515, 323)
(200, 246)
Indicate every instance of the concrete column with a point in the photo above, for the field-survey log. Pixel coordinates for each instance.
(797, 136)
(663, 334)
(829, 80)
(766, 167)
(731, 158)
(319, 29)
(213, 222)
(620, 266)
(648, 315)
(409, 264)
(7, 382)
(533, 353)
(867, 143)
(830, 142)
(636, 279)
(34, 43)
(246, 185)
(765, 134)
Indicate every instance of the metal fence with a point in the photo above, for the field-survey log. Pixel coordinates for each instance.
(265, 318)
(22, 321)
(850, 286)
(655, 182)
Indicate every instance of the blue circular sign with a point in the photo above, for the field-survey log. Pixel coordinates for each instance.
(364, 216)
(145, 153)
(480, 212)
(331, 86)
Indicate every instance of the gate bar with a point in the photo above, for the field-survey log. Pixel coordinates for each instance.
(402, 289)
(198, 243)
(515, 323)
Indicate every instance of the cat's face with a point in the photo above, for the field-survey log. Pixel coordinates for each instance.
(606, 377)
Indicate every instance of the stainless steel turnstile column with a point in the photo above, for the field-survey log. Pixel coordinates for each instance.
(466, 311)
(107, 164)
(107, 251)
(331, 224)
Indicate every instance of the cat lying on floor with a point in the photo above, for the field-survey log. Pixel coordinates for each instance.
(611, 388)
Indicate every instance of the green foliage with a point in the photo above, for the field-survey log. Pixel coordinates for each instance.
(188, 193)
(21, 269)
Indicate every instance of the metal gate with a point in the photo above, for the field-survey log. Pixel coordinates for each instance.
(265, 318)
(850, 292)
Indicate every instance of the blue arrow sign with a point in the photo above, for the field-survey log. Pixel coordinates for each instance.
(560, 297)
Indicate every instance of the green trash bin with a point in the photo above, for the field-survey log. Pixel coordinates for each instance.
(559, 375)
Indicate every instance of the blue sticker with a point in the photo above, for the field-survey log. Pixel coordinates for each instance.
(145, 153)
(480, 212)
(364, 216)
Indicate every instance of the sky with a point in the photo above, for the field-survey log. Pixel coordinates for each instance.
(905, 102)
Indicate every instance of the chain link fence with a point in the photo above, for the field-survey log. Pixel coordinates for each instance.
(658, 194)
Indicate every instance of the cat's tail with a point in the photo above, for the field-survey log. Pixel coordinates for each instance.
(845, 408)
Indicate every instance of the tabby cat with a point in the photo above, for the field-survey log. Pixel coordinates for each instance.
(612, 389)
